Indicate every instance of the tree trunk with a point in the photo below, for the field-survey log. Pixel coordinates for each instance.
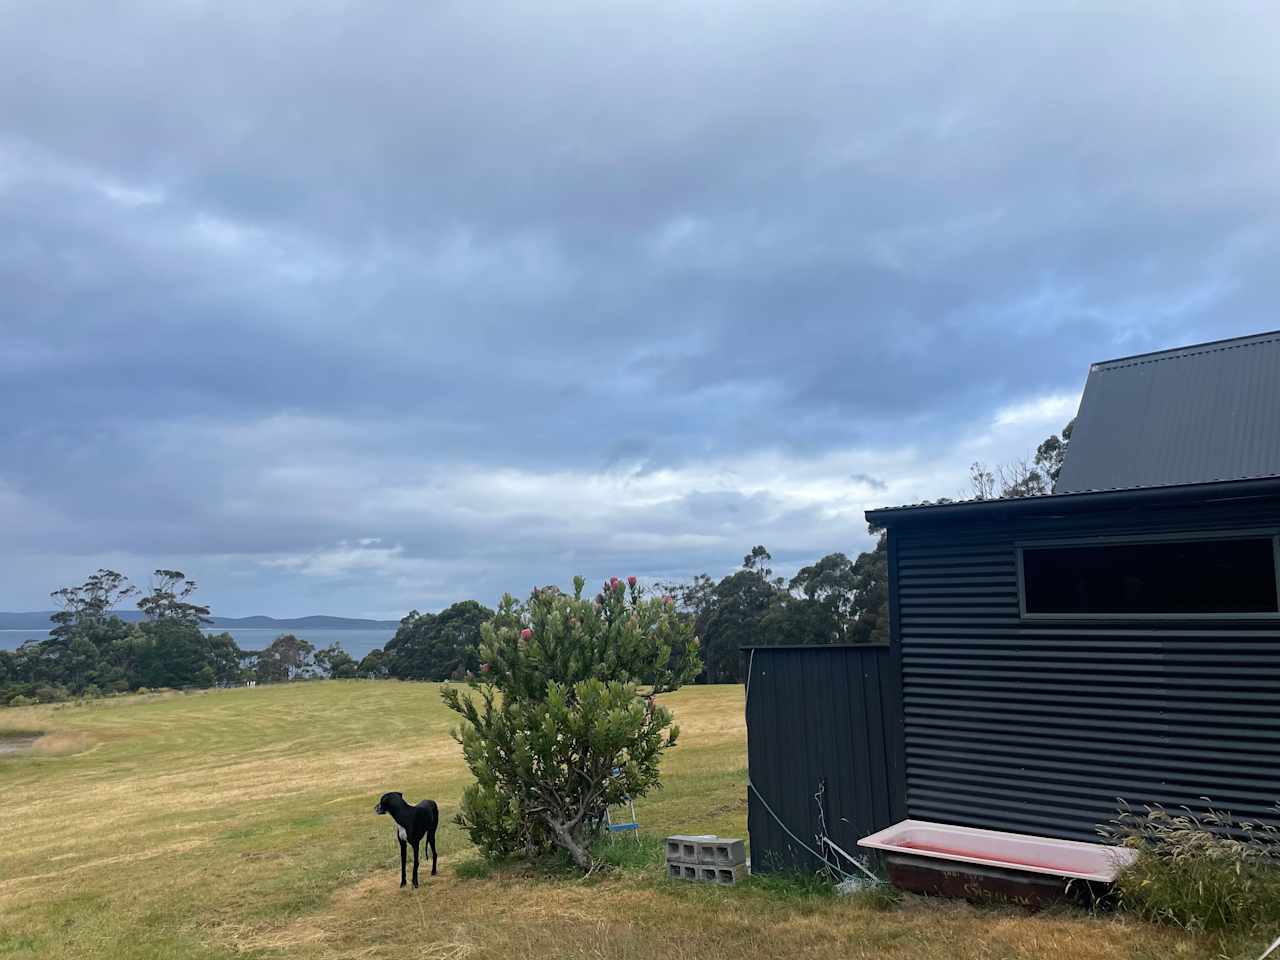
(567, 840)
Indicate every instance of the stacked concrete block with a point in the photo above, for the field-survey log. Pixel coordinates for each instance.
(706, 859)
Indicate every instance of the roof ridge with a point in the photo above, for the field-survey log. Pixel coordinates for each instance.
(1200, 486)
(1189, 351)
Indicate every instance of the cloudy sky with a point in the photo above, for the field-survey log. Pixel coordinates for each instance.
(355, 307)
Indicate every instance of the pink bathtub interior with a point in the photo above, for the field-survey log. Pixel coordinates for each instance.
(1070, 859)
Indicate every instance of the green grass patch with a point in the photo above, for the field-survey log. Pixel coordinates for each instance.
(630, 851)
(793, 885)
(473, 868)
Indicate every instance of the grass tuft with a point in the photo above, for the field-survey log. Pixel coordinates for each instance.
(1208, 871)
(793, 885)
(881, 897)
(625, 853)
(473, 868)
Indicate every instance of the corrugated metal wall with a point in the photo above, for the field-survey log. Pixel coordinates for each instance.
(821, 715)
(1038, 726)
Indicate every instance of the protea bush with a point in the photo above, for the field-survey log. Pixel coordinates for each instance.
(562, 719)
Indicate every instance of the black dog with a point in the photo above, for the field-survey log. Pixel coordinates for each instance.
(412, 824)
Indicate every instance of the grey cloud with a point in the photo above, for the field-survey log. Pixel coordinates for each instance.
(263, 269)
(875, 483)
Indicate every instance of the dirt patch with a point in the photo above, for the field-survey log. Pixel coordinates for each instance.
(65, 742)
(17, 743)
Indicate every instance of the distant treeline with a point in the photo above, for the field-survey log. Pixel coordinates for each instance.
(92, 651)
(836, 600)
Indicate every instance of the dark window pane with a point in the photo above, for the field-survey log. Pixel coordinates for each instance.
(1192, 576)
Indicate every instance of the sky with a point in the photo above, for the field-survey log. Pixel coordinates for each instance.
(352, 308)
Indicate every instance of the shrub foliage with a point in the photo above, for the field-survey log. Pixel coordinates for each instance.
(1207, 871)
(558, 727)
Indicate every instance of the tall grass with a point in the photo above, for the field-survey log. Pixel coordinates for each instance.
(1203, 872)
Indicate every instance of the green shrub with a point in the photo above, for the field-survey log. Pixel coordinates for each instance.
(1205, 871)
(558, 730)
(21, 701)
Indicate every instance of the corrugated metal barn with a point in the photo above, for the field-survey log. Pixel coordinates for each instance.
(1117, 639)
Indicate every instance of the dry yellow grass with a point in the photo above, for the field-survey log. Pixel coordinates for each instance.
(239, 823)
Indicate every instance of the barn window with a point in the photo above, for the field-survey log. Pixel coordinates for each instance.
(1201, 577)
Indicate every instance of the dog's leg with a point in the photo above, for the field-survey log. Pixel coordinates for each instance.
(403, 852)
(415, 862)
(431, 839)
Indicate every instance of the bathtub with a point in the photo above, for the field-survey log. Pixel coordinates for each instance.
(967, 862)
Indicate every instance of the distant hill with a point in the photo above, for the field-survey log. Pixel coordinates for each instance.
(39, 620)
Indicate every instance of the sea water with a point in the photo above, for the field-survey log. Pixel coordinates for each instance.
(357, 642)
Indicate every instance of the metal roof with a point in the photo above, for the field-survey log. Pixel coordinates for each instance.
(1192, 415)
(1082, 500)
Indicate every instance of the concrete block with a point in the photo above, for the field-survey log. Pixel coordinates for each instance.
(722, 852)
(728, 876)
(680, 866)
(683, 848)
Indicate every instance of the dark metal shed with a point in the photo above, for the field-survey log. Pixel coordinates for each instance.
(824, 734)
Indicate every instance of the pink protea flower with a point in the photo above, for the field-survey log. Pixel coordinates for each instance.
(668, 600)
(484, 668)
(613, 582)
(526, 634)
(631, 581)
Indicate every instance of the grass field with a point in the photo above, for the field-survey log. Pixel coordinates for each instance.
(239, 823)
